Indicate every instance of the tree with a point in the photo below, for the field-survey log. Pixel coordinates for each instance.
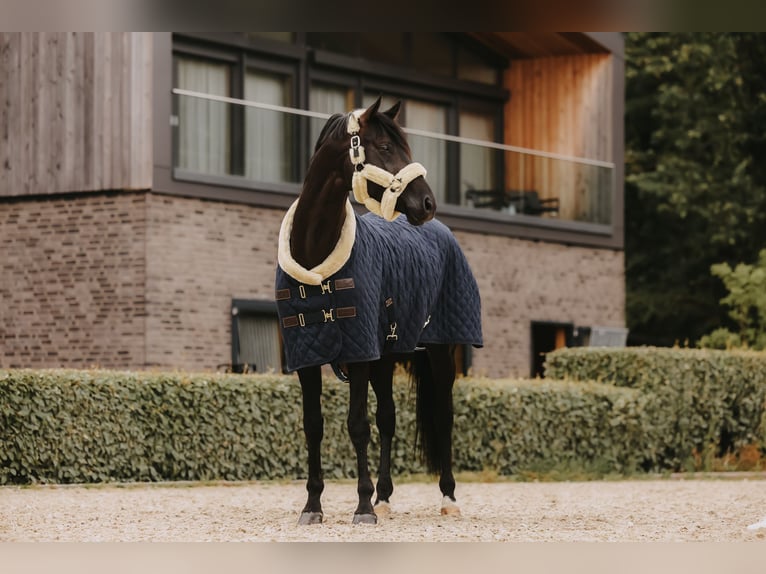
(695, 180)
(746, 285)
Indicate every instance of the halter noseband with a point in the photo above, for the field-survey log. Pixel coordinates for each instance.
(394, 185)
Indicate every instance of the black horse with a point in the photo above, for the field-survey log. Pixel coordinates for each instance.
(345, 298)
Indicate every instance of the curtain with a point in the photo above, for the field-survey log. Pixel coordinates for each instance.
(268, 134)
(203, 127)
(327, 99)
(477, 164)
(432, 153)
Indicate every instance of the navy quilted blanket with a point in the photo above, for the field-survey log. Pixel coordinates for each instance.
(421, 271)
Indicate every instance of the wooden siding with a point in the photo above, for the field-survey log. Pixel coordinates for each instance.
(562, 105)
(75, 112)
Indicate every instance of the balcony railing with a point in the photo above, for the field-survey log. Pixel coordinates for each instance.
(240, 142)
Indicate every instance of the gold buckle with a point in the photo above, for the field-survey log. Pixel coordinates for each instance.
(302, 291)
(301, 319)
(326, 287)
(328, 315)
(393, 336)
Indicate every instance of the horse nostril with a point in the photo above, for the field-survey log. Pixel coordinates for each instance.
(428, 204)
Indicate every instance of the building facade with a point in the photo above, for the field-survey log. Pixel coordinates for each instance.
(143, 178)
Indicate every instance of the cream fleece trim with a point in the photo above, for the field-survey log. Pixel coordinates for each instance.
(394, 186)
(329, 266)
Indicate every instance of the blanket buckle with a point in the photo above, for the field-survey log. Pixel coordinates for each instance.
(326, 288)
(301, 320)
(392, 336)
(328, 315)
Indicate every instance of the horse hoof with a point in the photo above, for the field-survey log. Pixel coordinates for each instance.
(383, 509)
(365, 519)
(310, 518)
(449, 507)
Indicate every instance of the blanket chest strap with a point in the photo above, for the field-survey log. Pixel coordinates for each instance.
(326, 288)
(315, 317)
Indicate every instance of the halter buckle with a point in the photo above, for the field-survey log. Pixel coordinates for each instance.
(355, 141)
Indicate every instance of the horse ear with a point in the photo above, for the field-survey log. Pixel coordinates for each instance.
(393, 111)
(369, 112)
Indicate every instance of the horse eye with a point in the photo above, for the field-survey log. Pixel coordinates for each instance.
(384, 147)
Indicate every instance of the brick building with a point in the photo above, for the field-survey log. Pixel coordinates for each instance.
(143, 178)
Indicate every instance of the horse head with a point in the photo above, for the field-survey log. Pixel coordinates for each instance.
(377, 163)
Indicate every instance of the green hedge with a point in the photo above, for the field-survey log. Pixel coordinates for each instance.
(697, 398)
(93, 426)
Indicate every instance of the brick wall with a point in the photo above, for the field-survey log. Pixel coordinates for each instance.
(201, 255)
(72, 281)
(523, 281)
(146, 280)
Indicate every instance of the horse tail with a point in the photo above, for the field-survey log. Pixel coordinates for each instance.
(422, 379)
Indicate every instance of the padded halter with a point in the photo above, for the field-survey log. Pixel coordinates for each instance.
(393, 185)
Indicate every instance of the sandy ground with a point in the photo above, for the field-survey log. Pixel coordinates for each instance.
(623, 511)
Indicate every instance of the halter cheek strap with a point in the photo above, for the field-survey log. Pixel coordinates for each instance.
(393, 185)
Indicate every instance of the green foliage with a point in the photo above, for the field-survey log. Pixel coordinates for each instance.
(696, 398)
(746, 285)
(613, 411)
(695, 183)
(67, 426)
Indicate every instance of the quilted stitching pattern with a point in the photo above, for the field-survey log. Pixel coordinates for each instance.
(421, 268)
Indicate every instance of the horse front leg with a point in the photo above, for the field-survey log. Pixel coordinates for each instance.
(313, 428)
(359, 431)
(381, 378)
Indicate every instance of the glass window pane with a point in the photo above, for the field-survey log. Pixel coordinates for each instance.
(477, 164)
(259, 342)
(430, 152)
(203, 126)
(268, 134)
(328, 99)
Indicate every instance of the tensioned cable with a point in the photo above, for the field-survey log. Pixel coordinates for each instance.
(412, 131)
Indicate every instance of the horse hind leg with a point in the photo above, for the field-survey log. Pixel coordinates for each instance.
(359, 431)
(381, 378)
(433, 373)
(313, 428)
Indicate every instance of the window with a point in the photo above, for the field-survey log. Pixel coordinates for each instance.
(268, 134)
(448, 84)
(255, 341)
(219, 138)
(328, 99)
(204, 141)
(478, 165)
(548, 336)
(432, 153)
